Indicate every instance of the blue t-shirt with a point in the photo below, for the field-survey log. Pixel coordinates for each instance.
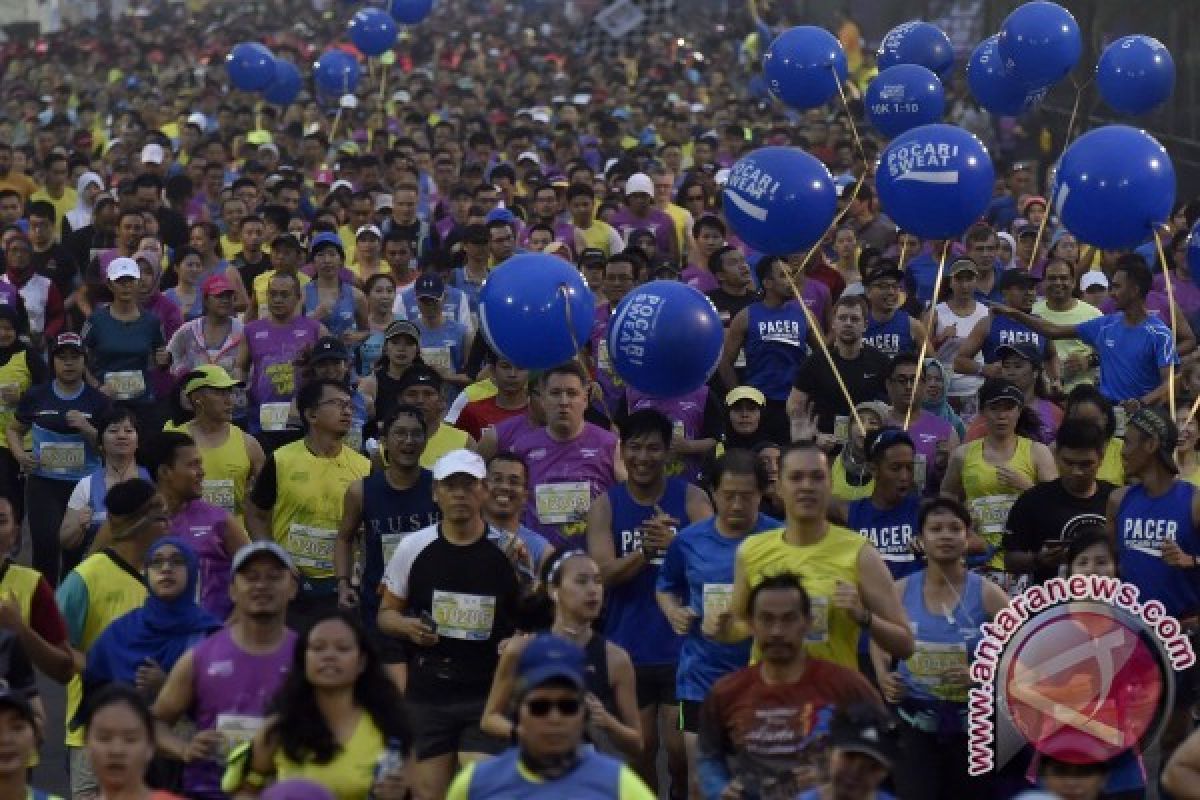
(700, 557)
(1131, 356)
(891, 336)
(124, 348)
(1143, 523)
(448, 339)
(889, 530)
(44, 409)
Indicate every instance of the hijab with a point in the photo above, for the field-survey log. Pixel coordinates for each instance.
(1012, 246)
(940, 407)
(160, 631)
(81, 215)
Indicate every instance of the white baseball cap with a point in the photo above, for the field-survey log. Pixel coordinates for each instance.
(639, 182)
(1093, 278)
(197, 119)
(153, 154)
(529, 155)
(457, 461)
(372, 230)
(123, 268)
(341, 183)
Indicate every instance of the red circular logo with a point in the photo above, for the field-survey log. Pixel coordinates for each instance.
(1086, 685)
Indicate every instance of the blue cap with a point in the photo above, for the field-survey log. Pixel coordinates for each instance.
(501, 214)
(430, 284)
(548, 657)
(326, 239)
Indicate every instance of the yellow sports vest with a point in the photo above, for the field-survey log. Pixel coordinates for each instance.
(15, 372)
(988, 499)
(113, 591)
(598, 236)
(842, 489)
(351, 772)
(833, 634)
(22, 582)
(446, 439)
(226, 472)
(309, 495)
(1111, 468)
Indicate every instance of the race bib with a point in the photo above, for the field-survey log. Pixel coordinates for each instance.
(273, 416)
(237, 728)
(603, 361)
(219, 493)
(62, 456)
(311, 548)
(718, 598)
(437, 357)
(390, 542)
(1122, 418)
(818, 632)
(991, 512)
(126, 385)
(929, 663)
(561, 503)
(920, 470)
(740, 361)
(468, 617)
(841, 429)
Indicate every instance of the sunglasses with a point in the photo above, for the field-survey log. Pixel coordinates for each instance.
(567, 706)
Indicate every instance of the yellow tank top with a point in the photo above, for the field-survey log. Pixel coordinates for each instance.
(350, 774)
(22, 582)
(1111, 468)
(842, 489)
(988, 499)
(597, 236)
(14, 373)
(833, 634)
(226, 472)
(446, 439)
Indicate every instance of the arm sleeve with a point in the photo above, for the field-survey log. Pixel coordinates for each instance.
(265, 487)
(44, 616)
(25, 409)
(671, 578)
(1089, 331)
(1017, 529)
(72, 598)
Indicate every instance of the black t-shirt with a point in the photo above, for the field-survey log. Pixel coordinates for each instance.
(471, 591)
(863, 376)
(172, 227)
(248, 271)
(59, 265)
(728, 305)
(1047, 512)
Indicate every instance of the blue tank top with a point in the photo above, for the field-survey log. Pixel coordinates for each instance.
(775, 347)
(595, 777)
(1004, 330)
(942, 640)
(1143, 524)
(196, 309)
(97, 495)
(341, 318)
(389, 515)
(632, 618)
(890, 531)
(368, 353)
(890, 337)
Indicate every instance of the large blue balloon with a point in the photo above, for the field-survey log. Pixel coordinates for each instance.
(1040, 43)
(917, 42)
(410, 12)
(995, 87)
(336, 72)
(285, 87)
(800, 66)
(1113, 185)
(1135, 74)
(935, 181)
(251, 66)
(665, 339)
(779, 199)
(904, 97)
(372, 31)
(536, 311)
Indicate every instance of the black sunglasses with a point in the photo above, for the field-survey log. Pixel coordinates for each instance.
(567, 706)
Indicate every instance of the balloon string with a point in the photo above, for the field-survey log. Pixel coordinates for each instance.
(849, 117)
(383, 93)
(937, 288)
(1191, 414)
(815, 327)
(1162, 260)
(578, 357)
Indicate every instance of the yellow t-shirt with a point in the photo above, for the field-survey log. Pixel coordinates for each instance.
(599, 235)
(990, 500)
(68, 201)
(682, 220)
(14, 373)
(1082, 312)
(446, 438)
(842, 489)
(351, 772)
(833, 633)
(1111, 468)
(261, 282)
(229, 248)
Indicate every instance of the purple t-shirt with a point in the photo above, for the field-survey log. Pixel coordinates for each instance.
(657, 222)
(202, 526)
(1157, 305)
(816, 296)
(699, 278)
(564, 478)
(273, 348)
(926, 431)
(686, 413)
(1187, 294)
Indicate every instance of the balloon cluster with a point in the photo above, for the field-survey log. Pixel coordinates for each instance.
(253, 68)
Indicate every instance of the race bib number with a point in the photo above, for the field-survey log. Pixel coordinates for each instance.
(920, 470)
(237, 728)
(311, 548)
(62, 456)
(273, 416)
(219, 493)
(818, 632)
(603, 361)
(390, 542)
(126, 385)
(437, 357)
(991, 512)
(841, 429)
(718, 598)
(468, 617)
(932, 660)
(562, 503)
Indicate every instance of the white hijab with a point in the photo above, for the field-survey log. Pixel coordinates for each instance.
(81, 215)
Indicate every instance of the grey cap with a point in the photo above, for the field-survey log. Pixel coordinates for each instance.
(261, 546)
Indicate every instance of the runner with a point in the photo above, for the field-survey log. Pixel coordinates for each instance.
(890, 329)
(422, 386)
(1019, 291)
(934, 437)
(954, 319)
(401, 349)
(1061, 307)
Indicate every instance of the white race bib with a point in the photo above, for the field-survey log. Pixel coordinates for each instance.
(354, 439)
(273, 416)
(390, 542)
(437, 357)
(62, 456)
(126, 385)
(219, 493)
(464, 616)
(603, 361)
(929, 663)
(311, 548)
(841, 429)
(920, 471)
(562, 503)
(818, 632)
(718, 598)
(237, 728)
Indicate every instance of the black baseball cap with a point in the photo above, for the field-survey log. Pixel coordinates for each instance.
(1000, 389)
(882, 273)
(402, 327)
(329, 348)
(592, 256)
(1024, 350)
(1017, 278)
(430, 284)
(16, 700)
(867, 730)
(419, 375)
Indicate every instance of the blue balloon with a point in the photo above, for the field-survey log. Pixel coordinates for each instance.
(1193, 249)
(995, 87)
(779, 199)
(935, 181)
(1113, 185)
(372, 31)
(904, 97)
(410, 12)
(917, 42)
(536, 311)
(665, 339)
(251, 66)
(282, 91)
(800, 66)
(1040, 43)
(1135, 74)
(336, 72)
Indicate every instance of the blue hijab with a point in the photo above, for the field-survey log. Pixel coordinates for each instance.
(941, 407)
(160, 631)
